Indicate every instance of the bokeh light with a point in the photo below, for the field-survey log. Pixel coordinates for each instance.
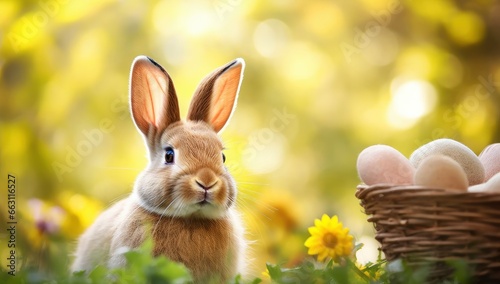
(410, 101)
(465, 28)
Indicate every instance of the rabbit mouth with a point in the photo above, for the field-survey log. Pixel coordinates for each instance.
(203, 203)
(205, 200)
(207, 209)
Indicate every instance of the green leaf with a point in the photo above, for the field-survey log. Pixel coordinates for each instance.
(99, 274)
(256, 281)
(274, 271)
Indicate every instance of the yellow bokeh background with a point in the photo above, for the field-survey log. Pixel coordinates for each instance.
(323, 80)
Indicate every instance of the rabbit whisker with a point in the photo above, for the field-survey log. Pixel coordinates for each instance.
(163, 213)
(121, 168)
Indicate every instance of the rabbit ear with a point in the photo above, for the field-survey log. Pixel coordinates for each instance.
(215, 98)
(152, 96)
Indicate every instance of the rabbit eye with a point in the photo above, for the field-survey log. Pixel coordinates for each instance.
(223, 158)
(169, 155)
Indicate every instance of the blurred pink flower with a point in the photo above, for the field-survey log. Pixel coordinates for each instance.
(48, 219)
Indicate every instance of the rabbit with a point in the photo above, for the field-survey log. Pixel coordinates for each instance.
(185, 198)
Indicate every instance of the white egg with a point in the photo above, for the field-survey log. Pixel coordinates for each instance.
(493, 184)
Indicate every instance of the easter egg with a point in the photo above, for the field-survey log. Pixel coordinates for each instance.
(477, 188)
(457, 151)
(383, 164)
(493, 184)
(440, 171)
(490, 158)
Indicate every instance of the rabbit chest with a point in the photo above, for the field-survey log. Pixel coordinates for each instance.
(207, 247)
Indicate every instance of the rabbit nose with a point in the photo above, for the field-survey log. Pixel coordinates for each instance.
(205, 187)
(206, 179)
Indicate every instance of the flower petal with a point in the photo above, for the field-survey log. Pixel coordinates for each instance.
(312, 241)
(322, 255)
(314, 230)
(315, 250)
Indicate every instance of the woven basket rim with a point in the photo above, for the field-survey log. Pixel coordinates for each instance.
(364, 191)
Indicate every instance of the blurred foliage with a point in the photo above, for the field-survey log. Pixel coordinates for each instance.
(324, 79)
(141, 268)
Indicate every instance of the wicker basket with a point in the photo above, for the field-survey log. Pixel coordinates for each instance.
(420, 225)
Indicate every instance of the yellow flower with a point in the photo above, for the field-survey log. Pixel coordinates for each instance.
(329, 239)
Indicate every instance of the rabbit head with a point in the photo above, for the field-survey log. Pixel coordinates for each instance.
(185, 176)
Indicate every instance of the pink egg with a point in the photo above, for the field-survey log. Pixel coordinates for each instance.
(383, 164)
(490, 158)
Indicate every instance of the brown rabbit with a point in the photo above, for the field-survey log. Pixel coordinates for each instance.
(185, 197)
